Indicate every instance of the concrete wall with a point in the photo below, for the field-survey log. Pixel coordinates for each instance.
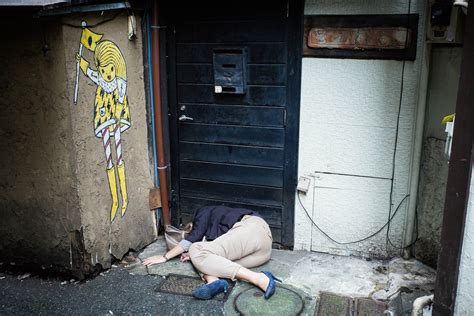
(55, 199)
(442, 94)
(38, 198)
(349, 112)
(465, 291)
(136, 229)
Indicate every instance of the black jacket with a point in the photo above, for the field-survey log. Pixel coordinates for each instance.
(214, 221)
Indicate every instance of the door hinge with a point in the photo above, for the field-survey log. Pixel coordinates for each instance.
(287, 8)
(284, 118)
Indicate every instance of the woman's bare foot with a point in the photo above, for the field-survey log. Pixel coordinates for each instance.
(210, 278)
(263, 281)
(256, 278)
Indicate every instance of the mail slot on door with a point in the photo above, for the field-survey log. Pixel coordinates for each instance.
(230, 70)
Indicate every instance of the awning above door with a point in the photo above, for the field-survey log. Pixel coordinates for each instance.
(38, 3)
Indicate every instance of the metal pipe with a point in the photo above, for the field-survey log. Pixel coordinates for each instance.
(152, 110)
(162, 165)
(420, 303)
(410, 218)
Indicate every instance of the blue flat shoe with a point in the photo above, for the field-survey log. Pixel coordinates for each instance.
(271, 285)
(208, 291)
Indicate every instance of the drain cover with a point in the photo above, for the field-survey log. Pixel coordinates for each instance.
(184, 285)
(370, 307)
(331, 304)
(283, 302)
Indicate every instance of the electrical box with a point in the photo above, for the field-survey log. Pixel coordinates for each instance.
(446, 31)
(303, 184)
(230, 70)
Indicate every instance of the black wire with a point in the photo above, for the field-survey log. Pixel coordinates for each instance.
(96, 24)
(388, 241)
(416, 235)
(356, 241)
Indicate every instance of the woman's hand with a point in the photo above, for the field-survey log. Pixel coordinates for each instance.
(176, 251)
(185, 257)
(154, 260)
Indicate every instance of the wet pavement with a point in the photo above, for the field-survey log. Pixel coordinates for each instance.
(129, 288)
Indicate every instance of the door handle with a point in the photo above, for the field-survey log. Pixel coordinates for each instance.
(185, 118)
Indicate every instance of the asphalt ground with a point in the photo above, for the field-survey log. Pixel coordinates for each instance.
(113, 293)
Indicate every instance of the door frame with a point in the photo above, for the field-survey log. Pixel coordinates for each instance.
(290, 173)
(295, 14)
(458, 185)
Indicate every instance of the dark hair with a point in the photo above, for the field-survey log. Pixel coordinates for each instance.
(188, 227)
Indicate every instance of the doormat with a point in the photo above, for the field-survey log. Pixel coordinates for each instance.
(331, 304)
(184, 285)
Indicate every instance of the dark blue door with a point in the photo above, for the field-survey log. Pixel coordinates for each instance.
(236, 147)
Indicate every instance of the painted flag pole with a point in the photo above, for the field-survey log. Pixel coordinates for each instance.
(81, 47)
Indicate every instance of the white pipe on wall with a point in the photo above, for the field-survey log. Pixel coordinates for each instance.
(417, 150)
(420, 303)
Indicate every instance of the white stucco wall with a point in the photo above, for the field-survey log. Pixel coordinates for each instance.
(465, 293)
(348, 125)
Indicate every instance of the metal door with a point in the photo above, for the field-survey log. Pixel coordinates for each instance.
(236, 149)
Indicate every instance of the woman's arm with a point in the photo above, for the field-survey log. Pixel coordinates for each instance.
(176, 251)
(200, 224)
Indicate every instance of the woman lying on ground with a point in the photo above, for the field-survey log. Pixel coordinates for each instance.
(236, 239)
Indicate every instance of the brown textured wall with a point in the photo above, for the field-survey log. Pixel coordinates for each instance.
(136, 228)
(431, 196)
(38, 203)
(54, 198)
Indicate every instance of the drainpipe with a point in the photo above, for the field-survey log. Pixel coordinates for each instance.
(410, 219)
(152, 111)
(162, 165)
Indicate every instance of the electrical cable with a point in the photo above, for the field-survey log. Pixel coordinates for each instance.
(416, 235)
(96, 24)
(356, 241)
(388, 241)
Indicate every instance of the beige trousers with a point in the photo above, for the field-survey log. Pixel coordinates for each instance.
(247, 244)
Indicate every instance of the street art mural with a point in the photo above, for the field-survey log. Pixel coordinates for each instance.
(111, 109)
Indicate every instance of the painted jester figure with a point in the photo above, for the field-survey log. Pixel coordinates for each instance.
(111, 110)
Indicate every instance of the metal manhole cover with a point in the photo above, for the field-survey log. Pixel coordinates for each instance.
(283, 302)
(184, 285)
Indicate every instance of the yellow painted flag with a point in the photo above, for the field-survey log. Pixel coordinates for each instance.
(89, 39)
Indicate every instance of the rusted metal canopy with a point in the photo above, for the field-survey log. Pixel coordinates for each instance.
(359, 38)
(20, 3)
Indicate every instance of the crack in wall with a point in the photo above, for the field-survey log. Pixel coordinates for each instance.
(81, 264)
